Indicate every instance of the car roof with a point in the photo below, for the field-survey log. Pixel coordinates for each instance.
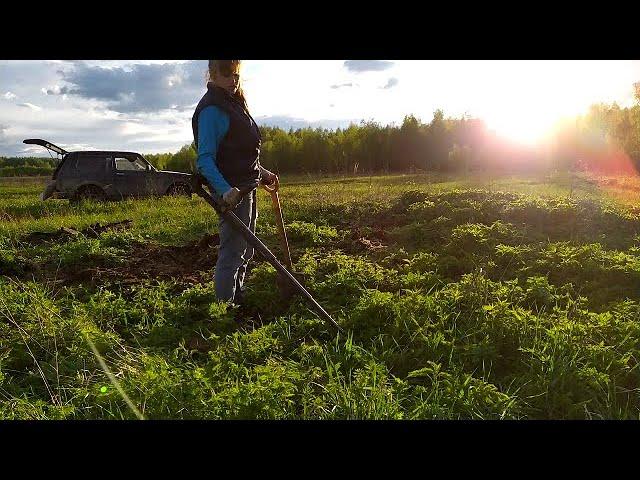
(106, 152)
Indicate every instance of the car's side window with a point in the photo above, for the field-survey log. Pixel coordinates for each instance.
(130, 164)
(89, 164)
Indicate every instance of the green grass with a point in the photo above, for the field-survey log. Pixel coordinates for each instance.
(478, 297)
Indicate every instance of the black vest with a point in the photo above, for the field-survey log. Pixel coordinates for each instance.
(239, 149)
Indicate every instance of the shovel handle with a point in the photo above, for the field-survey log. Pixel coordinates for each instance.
(275, 200)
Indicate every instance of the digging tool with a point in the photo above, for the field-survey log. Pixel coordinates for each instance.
(277, 211)
(222, 209)
(284, 286)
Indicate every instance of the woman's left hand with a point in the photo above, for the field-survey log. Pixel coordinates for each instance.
(267, 177)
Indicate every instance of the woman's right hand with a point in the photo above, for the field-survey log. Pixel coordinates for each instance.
(232, 197)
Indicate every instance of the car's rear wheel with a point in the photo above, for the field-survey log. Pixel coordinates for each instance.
(89, 192)
(179, 190)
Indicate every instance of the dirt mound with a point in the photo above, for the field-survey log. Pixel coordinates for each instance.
(186, 264)
(362, 239)
(65, 234)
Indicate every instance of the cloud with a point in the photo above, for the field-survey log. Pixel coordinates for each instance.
(3, 136)
(55, 90)
(344, 85)
(31, 106)
(10, 96)
(360, 66)
(94, 119)
(392, 82)
(137, 88)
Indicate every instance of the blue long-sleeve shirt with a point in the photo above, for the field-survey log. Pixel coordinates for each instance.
(213, 124)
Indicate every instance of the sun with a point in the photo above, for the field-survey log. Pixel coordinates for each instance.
(528, 130)
(523, 101)
(531, 121)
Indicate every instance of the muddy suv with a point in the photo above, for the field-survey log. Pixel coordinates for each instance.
(109, 175)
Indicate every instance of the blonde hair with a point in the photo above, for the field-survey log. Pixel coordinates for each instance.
(227, 68)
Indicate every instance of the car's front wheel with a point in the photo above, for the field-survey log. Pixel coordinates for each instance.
(89, 192)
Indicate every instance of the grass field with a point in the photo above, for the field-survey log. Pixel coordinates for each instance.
(476, 297)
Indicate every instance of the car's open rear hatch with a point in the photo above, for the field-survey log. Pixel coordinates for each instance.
(62, 155)
(48, 145)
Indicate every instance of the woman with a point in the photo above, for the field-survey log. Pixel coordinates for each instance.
(228, 142)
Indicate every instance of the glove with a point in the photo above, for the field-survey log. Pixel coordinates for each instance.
(232, 197)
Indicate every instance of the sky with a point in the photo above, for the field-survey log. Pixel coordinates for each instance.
(146, 106)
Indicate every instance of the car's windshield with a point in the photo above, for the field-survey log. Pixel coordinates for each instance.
(146, 162)
(131, 164)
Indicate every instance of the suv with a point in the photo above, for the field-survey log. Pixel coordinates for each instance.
(111, 175)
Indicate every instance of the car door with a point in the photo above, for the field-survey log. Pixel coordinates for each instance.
(156, 183)
(130, 175)
(83, 168)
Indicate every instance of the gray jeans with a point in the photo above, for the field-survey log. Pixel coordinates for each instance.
(234, 253)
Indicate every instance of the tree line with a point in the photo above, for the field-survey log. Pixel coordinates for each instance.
(26, 166)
